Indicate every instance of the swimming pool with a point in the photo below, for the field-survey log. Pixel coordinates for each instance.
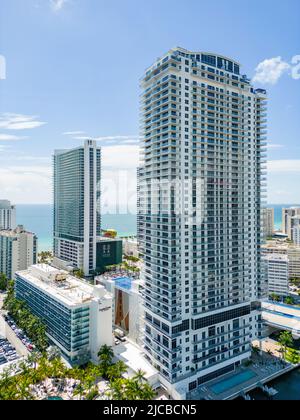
(233, 381)
(123, 282)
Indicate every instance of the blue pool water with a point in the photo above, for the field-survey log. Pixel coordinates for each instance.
(235, 380)
(124, 282)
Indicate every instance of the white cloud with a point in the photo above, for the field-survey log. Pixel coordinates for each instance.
(57, 5)
(10, 121)
(73, 133)
(270, 70)
(26, 184)
(283, 166)
(8, 137)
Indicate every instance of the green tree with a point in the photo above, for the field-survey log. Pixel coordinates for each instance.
(285, 340)
(275, 297)
(289, 301)
(3, 282)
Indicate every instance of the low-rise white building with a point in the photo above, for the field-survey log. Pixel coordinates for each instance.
(277, 269)
(127, 304)
(78, 316)
(18, 250)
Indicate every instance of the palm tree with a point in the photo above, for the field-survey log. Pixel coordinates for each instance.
(286, 340)
(289, 301)
(140, 376)
(148, 393)
(79, 390)
(106, 351)
(116, 390)
(275, 297)
(294, 356)
(117, 370)
(105, 355)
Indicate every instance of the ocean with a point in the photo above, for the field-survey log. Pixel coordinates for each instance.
(39, 219)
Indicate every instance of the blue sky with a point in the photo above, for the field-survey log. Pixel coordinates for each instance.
(73, 66)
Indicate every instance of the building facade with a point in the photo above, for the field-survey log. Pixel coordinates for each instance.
(18, 250)
(287, 215)
(127, 295)
(78, 316)
(268, 222)
(203, 140)
(281, 247)
(277, 270)
(77, 194)
(109, 252)
(295, 229)
(7, 215)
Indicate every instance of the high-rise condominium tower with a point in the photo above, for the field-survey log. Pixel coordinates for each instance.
(18, 250)
(203, 139)
(287, 219)
(77, 220)
(7, 215)
(268, 222)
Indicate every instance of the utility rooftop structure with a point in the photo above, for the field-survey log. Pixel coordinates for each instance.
(203, 129)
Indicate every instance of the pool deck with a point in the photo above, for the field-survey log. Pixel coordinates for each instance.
(265, 371)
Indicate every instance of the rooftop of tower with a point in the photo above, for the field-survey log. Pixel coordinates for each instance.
(192, 54)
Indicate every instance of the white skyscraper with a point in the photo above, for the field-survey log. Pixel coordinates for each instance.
(77, 190)
(7, 215)
(203, 141)
(277, 270)
(287, 216)
(268, 222)
(18, 250)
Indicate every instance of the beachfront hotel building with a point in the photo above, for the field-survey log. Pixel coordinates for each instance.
(77, 220)
(200, 197)
(7, 215)
(77, 315)
(18, 250)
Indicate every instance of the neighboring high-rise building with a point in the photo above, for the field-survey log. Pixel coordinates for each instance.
(295, 227)
(18, 250)
(203, 143)
(287, 215)
(296, 235)
(78, 316)
(77, 220)
(277, 270)
(268, 222)
(285, 248)
(7, 215)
